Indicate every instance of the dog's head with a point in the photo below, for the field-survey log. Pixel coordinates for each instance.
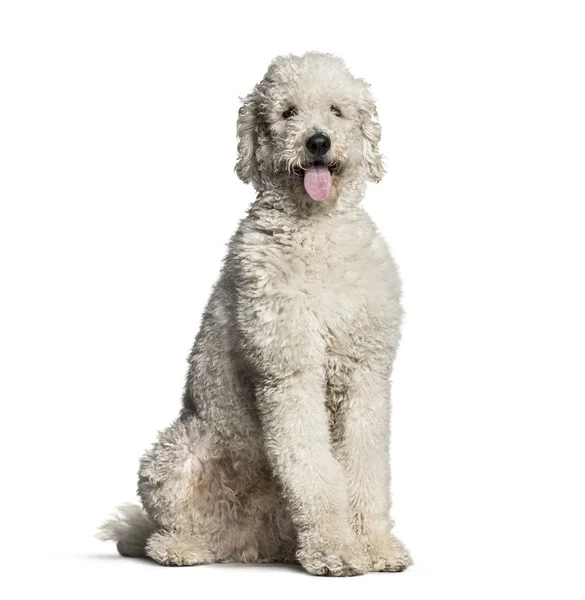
(308, 126)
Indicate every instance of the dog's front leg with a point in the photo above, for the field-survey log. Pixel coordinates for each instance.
(290, 399)
(296, 437)
(363, 453)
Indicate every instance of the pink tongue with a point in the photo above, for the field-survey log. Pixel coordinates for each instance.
(318, 182)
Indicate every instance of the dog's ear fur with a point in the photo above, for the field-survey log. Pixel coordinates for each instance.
(247, 132)
(371, 132)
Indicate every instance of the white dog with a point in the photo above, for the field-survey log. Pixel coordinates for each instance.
(280, 452)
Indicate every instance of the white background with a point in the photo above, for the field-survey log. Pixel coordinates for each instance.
(117, 147)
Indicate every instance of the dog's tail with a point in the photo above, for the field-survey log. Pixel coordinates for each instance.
(130, 528)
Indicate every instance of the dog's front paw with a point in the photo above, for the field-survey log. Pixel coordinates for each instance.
(334, 559)
(387, 554)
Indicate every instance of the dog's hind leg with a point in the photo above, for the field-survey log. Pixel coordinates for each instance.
(170, 488)
(211, 500)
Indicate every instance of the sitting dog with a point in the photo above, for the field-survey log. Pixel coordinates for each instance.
(280, 452)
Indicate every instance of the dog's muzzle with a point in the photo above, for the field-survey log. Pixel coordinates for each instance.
(317, 179)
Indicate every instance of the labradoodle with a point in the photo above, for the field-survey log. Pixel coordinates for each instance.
(280, 452)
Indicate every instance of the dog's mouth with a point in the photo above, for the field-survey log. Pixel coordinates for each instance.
(317, 178)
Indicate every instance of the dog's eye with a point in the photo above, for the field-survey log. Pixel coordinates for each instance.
(336, 111)
(291, 111)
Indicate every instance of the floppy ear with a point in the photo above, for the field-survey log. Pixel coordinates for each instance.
(246, 164)
(371, 133)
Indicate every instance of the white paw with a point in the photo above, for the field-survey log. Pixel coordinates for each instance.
(170, 549)
(388, 554)
(345, 560)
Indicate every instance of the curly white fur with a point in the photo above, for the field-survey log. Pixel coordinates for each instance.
(281, 449)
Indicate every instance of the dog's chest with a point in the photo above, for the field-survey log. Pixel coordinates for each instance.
(343, 270)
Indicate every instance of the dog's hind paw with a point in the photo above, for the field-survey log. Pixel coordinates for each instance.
(171, 549)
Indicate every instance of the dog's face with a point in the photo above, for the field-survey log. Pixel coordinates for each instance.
(310, 127)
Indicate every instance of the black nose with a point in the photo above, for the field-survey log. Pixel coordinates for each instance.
(318, 144)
